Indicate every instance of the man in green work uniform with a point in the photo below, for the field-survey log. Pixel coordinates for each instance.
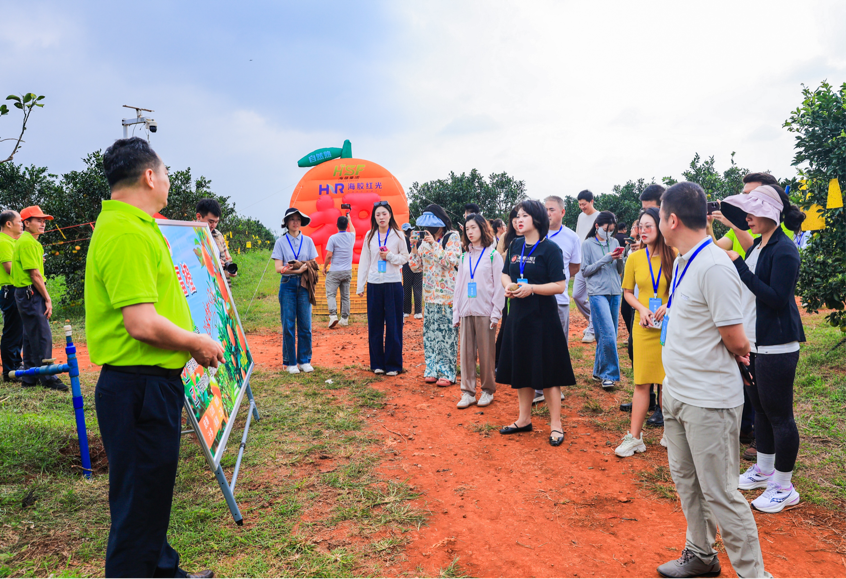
(139, 329)
(31, 297)
(11, 228)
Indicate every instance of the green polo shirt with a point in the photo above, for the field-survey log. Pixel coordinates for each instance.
(29, 254)
(129, 263)
(735, 244)
(7, 251)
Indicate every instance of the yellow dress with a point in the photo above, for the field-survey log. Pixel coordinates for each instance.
(646, 342)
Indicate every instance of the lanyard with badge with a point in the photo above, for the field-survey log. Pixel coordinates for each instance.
(522, 279)
(655, 302)
(676, 281)
(382, 265)
(296, 254)
(471, 285)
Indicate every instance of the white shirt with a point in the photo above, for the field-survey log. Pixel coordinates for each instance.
(368, 264)
(700, 370)
(341, 245)
(584, 224)
(571, 250)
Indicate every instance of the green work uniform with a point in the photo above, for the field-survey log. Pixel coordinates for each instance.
(29, 254)
(7, 251)
(735, 244)
(129, 262)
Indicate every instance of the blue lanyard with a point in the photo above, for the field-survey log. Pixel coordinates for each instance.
(299, 247)
(523, 261)
(556, 233)
(676, 279)
(379, 237)
(655, 285)
(470, 262)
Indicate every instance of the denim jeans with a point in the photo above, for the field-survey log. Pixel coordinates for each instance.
(295, 313)
(604, 313)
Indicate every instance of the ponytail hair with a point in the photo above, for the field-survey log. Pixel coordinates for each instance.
(791, 215)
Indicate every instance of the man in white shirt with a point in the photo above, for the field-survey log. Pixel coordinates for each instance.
(586, 218)
(703, 339)
(339, 254)
(571, 249)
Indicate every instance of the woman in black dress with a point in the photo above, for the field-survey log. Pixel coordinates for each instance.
(534, 353)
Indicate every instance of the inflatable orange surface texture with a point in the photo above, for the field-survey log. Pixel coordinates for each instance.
(359, 182)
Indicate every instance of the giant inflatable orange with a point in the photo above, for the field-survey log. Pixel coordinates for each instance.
(359, 182)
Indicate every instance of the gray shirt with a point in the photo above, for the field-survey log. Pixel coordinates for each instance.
(289, 248)
(341, 245)
(600, 270)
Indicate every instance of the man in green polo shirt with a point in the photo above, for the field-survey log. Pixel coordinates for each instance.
(31, 297)
(139, 329)
(11, 228)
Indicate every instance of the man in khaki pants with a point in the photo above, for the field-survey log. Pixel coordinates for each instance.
(703, 392)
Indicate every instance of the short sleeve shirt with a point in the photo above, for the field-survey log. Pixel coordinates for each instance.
(129, 263)
(341, 245)
(700, 370)
(7, 251)
(290, 248)
(571, 252)
(544, 265)
(28, 255)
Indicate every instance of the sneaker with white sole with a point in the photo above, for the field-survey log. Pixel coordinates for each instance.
(467, 399)
(333, 321)
(630, 445)
(753, 478)
(418, 316)
(776, 498)
(588, 338)
(538, 397)
(391, 373)
(378, 371)
(608, 384)
(293, 369)
(344, 322)
(306, 368)
(405, 316)
(663, 441)
(485, 399)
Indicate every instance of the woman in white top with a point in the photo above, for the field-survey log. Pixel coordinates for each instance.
(382, 256)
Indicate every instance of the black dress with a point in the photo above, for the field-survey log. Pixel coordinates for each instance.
(534, 351)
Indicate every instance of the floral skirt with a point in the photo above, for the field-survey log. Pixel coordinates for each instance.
(440, 341)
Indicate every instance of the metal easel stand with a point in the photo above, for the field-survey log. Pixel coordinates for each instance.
(72, 368)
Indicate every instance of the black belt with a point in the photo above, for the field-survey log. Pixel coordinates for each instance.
(156, 371)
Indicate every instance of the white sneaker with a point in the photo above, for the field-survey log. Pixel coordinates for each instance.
(608, 385)
(405, 316)
(293, 369)
(754, 479)
(466, 400)
(306, 368)
(775, 499)
(418, 316)
(588, 338)
(333, 321)
(629, 446)
(344, 322)
(378, 371)
(485, 399)
(538, 397)
(391, 373)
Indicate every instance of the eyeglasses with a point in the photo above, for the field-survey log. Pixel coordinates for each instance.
(381, 204)
(647, 227)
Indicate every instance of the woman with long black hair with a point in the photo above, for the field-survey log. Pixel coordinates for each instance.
(774, 328)
(534, 352)
(380, 267)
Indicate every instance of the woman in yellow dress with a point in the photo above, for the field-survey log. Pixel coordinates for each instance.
(650, 270)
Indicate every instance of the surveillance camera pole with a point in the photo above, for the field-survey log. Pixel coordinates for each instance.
(138, 120)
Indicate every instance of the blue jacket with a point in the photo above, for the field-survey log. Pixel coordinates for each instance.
(774, 286)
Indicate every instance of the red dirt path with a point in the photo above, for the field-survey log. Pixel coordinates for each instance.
(515, 506)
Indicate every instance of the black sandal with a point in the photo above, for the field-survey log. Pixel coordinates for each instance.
(556, 441)
(515, 429)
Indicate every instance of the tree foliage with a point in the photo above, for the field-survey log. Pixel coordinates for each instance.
(75, 199)
(495, 196)
(819, 124)
(26, 103)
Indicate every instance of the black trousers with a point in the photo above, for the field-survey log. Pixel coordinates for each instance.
(412, 283)
(12, 339)
(772, 397)
(627, 312)
(384, 326)
(37, 337)
(140, 423)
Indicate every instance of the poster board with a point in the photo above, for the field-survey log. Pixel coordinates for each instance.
(212, 396)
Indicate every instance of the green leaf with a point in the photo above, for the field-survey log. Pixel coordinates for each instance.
(19, 106)
(39, 98)
(28, 97)
(12, 97)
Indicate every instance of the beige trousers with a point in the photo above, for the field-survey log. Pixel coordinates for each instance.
(705, 463)
(477, 337)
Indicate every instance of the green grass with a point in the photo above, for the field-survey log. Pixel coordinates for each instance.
(308, 489)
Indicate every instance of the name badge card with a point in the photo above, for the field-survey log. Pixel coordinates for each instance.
(471, 289)
(522, 280)
(665, 323)
(654, 305)
(382, 265)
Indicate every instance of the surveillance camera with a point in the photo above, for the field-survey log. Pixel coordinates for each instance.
(151, 125)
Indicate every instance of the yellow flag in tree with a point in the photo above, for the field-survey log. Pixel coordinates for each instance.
(249, 245)
(813, 218)
(835, 198)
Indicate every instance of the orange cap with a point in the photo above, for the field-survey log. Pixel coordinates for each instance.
(34, 211)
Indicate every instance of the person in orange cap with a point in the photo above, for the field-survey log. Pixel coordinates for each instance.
(31, 296)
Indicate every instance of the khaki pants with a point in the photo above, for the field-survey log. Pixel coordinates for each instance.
(335, 280)
(477, 336)
(705, 463)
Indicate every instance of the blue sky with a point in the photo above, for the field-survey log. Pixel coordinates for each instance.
(564, 95)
